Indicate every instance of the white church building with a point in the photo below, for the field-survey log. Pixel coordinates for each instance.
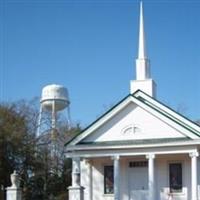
(139, 150)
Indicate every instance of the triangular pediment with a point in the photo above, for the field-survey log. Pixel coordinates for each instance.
(133, 123)
(138, 117)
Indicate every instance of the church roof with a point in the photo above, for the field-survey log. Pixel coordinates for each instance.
(188, 127)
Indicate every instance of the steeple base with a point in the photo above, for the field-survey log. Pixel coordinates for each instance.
(148, 86)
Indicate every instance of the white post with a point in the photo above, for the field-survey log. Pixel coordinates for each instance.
(14, 192)
(89, 178)
(76, 190)
(194, 156)
(151, 181)
(116, 178)
(90, 181)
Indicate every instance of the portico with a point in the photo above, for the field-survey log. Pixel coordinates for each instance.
(121, 162)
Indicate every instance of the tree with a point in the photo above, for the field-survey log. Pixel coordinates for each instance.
(42, 175)
(54, 172)
(16, 150)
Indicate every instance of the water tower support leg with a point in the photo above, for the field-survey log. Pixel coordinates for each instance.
(39, 122)
(53, 115)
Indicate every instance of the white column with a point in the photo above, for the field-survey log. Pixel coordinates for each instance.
(76, 171)
(194, 156)
(89, 178)
(116, 178)
(151, 181)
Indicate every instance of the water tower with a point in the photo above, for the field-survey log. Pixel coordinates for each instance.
(54, 98)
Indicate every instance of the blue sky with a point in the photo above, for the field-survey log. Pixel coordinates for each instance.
(90, 47)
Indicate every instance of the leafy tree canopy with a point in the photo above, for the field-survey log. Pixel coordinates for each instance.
(44, 175)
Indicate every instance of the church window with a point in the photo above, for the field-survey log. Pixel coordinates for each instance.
(108, 180)
(175, 177)
(131, 129)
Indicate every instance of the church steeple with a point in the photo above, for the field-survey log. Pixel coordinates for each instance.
(143, 80)
(142, 62)
(142, 47)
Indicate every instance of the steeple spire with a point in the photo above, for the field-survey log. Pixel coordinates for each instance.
(143, 81)
(142, 63)
(142, 48)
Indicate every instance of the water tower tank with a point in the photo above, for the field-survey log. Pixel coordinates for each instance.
(54, 94)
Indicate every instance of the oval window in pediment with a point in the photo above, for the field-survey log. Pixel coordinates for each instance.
(131, 129)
